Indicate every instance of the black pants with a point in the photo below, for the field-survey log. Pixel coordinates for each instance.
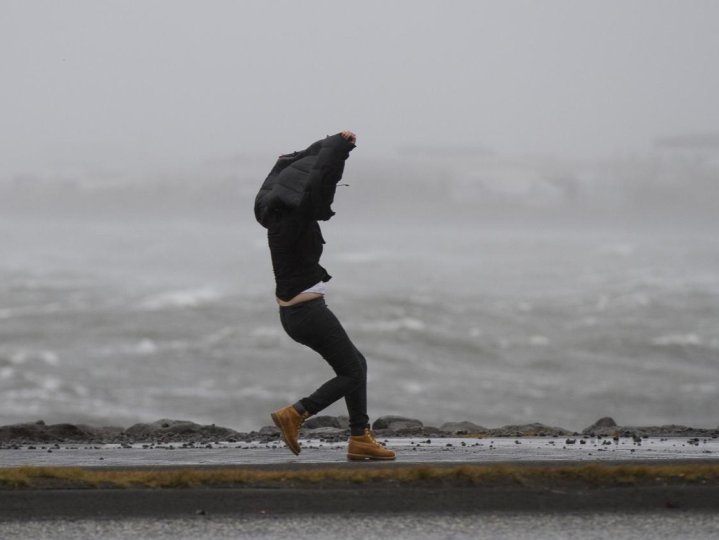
(313, 324)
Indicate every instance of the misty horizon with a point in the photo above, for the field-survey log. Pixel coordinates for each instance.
(171, 85)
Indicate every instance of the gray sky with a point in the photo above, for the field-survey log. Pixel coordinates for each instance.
(155, 84)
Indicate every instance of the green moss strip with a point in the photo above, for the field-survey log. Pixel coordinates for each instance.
(465, 475)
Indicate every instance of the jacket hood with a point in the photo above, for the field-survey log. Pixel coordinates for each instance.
(295, 176)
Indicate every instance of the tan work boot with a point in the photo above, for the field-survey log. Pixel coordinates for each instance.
(365, 446)
(289, 422)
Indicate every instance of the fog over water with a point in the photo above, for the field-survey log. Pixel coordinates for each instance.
(528, 234)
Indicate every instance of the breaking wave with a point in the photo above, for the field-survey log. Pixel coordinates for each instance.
(183, 298)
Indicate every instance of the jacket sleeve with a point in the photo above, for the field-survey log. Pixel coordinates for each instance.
(325, 175)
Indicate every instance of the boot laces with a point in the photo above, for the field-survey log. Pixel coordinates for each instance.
(369, 434)
(303, 417)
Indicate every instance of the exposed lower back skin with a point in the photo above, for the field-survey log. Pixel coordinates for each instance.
(302, 297)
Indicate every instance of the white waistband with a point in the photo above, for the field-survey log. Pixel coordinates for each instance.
(319, 288)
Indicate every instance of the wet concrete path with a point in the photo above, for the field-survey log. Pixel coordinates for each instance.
(409, 451)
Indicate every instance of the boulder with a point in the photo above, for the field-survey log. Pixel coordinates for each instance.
(107, 433)
(27, 431)
(396, 423)
(424, 431)
(461, 428)
(669, 430)
(40, 432)
(269, 430)
(70, 432)
(528, 430)
(322, 432)
(315, 422)
(603, 426)
(167, 429)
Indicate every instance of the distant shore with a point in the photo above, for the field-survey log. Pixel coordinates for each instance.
(326, 428)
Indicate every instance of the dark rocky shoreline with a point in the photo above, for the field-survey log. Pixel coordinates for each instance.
(326, 428)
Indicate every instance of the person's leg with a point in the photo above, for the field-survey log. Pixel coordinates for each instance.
(314, 325)
(357, 402)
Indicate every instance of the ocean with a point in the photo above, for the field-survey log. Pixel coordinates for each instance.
(117, 322)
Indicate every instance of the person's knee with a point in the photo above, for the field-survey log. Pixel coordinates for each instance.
(358, 375)
(362, 361)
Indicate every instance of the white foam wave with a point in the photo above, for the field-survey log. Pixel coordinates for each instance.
(266, 331)
(221, 334)
(700, 388)
(22, 356)
(413, 387)
(267, 336)
(49, 357)
(524, 307)
(538, 341)
(404, 323)
(677, 339)
(45, 309)
(620, 248)
(182, 298)
(51, 383)
(80, 390)
(622, 301)
(145, 347)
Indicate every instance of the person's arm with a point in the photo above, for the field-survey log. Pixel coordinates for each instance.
(328, 172)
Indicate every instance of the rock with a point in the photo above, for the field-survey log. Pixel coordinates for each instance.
(603, 426)
(396, 423)
(528, 430)
(462, 428)
(671, 430)
(70, 432)
(177, 430)
(34, 432)
(610, 429)
(322, 422)
(269, 430)
(414, 431)
(39, 432)
(106, 433)
(605, 421)
(322, 432)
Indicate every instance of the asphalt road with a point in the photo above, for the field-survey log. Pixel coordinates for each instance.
(663, 525)
(138, 511)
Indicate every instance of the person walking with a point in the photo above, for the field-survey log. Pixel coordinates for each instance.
(299, 192)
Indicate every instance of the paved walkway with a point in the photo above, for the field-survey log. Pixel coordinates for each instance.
(409, 451)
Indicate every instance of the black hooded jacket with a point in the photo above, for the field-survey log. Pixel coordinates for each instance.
(297, 193)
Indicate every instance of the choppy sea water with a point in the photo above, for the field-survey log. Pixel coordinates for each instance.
(118, 323)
